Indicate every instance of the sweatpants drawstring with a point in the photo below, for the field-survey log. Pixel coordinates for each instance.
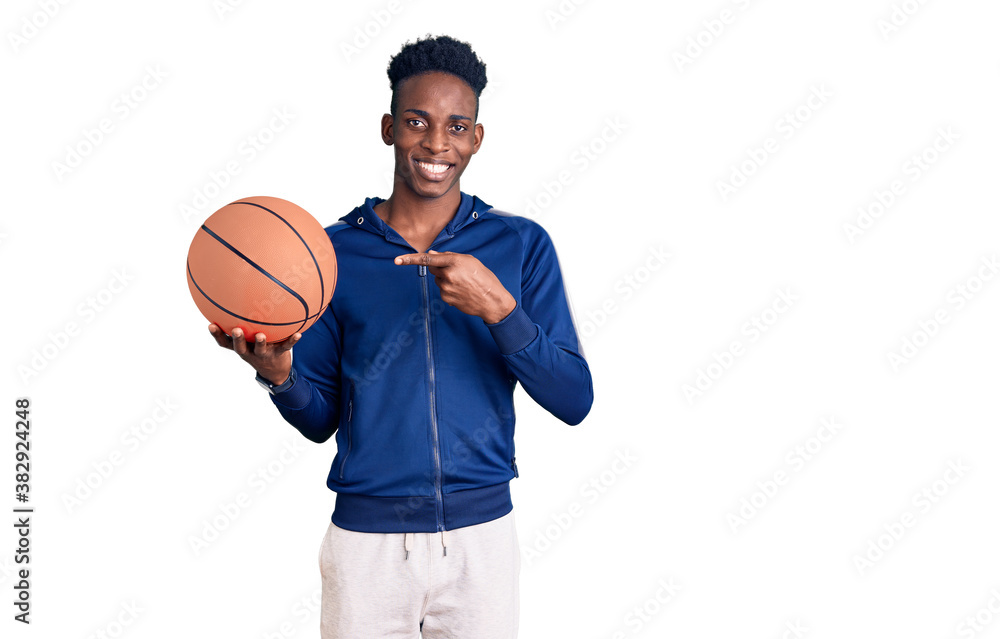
(408, 543)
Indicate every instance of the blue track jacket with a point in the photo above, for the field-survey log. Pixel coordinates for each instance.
(419, 394)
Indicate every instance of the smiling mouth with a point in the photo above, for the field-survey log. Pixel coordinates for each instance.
(433, 171)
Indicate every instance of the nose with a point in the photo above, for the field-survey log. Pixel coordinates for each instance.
(436, 140)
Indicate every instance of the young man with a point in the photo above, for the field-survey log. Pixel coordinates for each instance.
(416, 377)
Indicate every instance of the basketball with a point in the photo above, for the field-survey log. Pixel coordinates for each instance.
(264, 265)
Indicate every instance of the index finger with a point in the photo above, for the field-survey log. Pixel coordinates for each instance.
(262, 348)
(287, 344)
(434, 259)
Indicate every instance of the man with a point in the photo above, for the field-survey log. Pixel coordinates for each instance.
(416, 377)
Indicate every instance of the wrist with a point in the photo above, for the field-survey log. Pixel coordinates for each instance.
(501, 309)
(277, 387)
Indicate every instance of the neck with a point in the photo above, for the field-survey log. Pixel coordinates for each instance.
(405, 210)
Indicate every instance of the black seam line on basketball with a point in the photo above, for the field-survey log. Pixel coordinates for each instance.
(245, 319)
(246, 259)
(322, 287)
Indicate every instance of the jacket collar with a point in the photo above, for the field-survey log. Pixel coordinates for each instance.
(364, 217)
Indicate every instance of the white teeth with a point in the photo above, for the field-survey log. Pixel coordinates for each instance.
(433, 168)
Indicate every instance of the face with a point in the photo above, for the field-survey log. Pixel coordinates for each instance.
(434, 133)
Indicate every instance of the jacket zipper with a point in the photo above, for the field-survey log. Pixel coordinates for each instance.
(439, 501)
(350, 413)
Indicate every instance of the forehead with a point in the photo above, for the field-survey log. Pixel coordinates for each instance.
(437, 91)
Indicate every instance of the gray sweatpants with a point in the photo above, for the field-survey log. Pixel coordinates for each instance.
(459, 584)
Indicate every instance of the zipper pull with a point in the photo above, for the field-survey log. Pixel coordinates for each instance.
(514, 466)
(421, 270)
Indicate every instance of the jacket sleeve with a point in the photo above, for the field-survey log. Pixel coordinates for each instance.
(312, 403)
(538, 339)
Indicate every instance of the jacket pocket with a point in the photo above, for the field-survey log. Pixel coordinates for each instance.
(350, 443)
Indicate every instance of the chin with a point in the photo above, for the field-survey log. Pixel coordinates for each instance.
(433, 190)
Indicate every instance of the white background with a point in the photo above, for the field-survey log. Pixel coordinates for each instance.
(812, 556)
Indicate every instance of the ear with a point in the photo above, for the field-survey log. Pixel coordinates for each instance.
(387, 133)
(478, 138)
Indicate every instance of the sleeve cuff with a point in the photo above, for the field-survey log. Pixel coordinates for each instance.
(514, 332)
(295, 396)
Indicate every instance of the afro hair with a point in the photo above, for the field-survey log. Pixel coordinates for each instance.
(441, 53)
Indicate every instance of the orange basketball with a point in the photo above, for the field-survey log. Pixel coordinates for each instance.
(264, 265)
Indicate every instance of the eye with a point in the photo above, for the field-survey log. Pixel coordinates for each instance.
(459, 128)
(415, 122)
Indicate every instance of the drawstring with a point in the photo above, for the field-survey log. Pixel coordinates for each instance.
(408, 544)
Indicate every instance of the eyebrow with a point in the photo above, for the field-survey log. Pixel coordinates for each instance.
(425, 114)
